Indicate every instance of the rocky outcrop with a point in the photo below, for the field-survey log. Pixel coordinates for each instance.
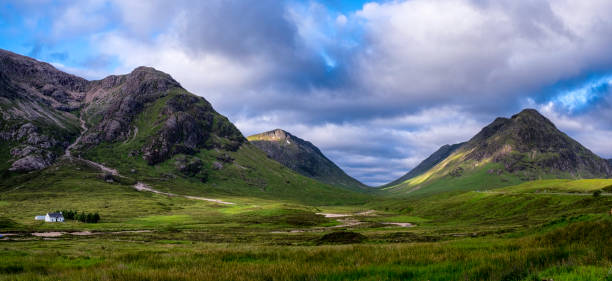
(119, 99)
(302, 157)
(30, 163)
(32, 150)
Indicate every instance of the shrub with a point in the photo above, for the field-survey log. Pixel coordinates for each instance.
(82, 217)
(596, 193)
(342, 237)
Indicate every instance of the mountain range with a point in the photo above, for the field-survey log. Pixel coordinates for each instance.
(142, 126)
(146, 127)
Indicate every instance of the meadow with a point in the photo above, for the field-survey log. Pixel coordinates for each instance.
(509, 233)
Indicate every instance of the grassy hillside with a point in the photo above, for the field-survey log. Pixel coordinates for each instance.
(431, 161)
(560, 185)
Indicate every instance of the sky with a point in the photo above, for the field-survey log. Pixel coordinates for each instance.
(376, 85)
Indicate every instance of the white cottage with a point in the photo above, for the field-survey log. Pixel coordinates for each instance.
(54, 217)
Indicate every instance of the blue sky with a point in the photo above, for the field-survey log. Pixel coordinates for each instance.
(377, 85)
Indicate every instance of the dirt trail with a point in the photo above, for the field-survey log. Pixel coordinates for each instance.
(99, 166)
(78, 139)
(144, 187)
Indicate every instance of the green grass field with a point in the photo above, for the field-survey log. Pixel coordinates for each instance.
(509, 233)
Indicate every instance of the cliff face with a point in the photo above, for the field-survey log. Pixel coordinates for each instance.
(41, 107)
(302, 157)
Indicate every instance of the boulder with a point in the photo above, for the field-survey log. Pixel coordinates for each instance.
(29, 163)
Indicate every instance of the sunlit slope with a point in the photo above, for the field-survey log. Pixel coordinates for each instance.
(507, 152)
(435, 158)
(560, 186)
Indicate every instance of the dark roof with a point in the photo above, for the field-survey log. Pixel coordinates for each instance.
(55, 215)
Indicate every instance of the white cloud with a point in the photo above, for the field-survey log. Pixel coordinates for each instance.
(209, 74)
(431, 50)
(341, 20)
(378, 150)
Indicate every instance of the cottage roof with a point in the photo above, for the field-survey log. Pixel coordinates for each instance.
(55, 215)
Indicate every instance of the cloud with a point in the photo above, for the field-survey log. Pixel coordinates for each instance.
(378, 150)
(377, 85)
(426, 52)
(593, 130)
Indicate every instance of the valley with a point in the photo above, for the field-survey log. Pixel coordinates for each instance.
(183, 195)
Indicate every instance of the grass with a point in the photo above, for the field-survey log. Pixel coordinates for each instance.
(128, 258)
(518, 235)
(559, 185)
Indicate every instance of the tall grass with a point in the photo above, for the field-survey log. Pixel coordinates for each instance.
(466, 259)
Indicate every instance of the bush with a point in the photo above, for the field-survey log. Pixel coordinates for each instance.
(596, 193)
(341, 237)
(82, 217)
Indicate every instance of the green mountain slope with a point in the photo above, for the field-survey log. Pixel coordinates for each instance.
(508, 151)
(142, 126)
(303, 157)
(435, 158)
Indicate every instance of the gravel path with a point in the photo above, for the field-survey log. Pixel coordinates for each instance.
(144, 187)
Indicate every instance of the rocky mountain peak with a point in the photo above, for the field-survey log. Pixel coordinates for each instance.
(531, 117)
(27, 79)
(530, 133)
(274, 135)
(302, 157)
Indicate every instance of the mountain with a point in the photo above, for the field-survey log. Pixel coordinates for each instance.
(302, 157)
(41, 105)
(142, 126)
(526, 146)
(35, 99)
(435, 158)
